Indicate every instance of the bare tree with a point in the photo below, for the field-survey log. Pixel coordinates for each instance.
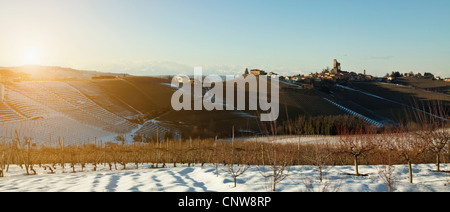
(387, 170)
(355, 143)
(236, 170)
(239, 161)
(2, 162)
(320, 157)
(216, 163)
(410, 147)
(432, 119)
(25, 153)
(326, 185)
(439, 139)
(388, 176)
(278, 168)
(238, 164)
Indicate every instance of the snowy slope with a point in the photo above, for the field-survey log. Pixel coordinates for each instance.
(204, 179)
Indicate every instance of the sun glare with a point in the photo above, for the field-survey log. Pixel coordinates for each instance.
(31, 56)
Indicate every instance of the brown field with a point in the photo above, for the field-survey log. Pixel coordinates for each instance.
(426, 84)
(146, 101)
(399, 100)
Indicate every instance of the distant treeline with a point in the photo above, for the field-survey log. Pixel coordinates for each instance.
(320, 125)
(104, 77)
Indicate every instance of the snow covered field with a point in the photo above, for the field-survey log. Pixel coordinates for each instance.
(203, 179)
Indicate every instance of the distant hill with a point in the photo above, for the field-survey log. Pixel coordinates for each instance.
(77, 104)
(36, 72)
(426, 84)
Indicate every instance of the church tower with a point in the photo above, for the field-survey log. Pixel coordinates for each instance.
(337, 65)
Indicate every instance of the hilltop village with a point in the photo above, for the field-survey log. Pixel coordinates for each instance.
(337, 75)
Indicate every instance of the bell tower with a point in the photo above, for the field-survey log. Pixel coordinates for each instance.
(337, 65)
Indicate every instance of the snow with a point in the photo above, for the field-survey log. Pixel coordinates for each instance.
(203, 179)
(367, 93)
(39, 109)
(371, 121)
(288, 139)
(379, 97)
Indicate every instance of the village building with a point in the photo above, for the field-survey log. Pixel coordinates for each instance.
(336, 75)
(257, 72)
(294, 78)
(273, 75)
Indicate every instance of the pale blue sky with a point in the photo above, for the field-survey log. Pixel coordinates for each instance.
(148, 37)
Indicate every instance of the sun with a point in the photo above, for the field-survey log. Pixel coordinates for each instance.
(31, 56)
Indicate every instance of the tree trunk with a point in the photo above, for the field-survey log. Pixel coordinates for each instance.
(356, 166)
(274, 188)
(320, 174)
(410, 172)
(438, 162)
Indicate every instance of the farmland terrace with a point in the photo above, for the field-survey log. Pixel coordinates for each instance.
(138, 108)
(75, 111)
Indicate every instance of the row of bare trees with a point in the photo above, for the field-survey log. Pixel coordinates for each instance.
(273, 160)
(398, 147)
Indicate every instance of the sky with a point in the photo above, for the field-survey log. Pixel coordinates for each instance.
(154, 37)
